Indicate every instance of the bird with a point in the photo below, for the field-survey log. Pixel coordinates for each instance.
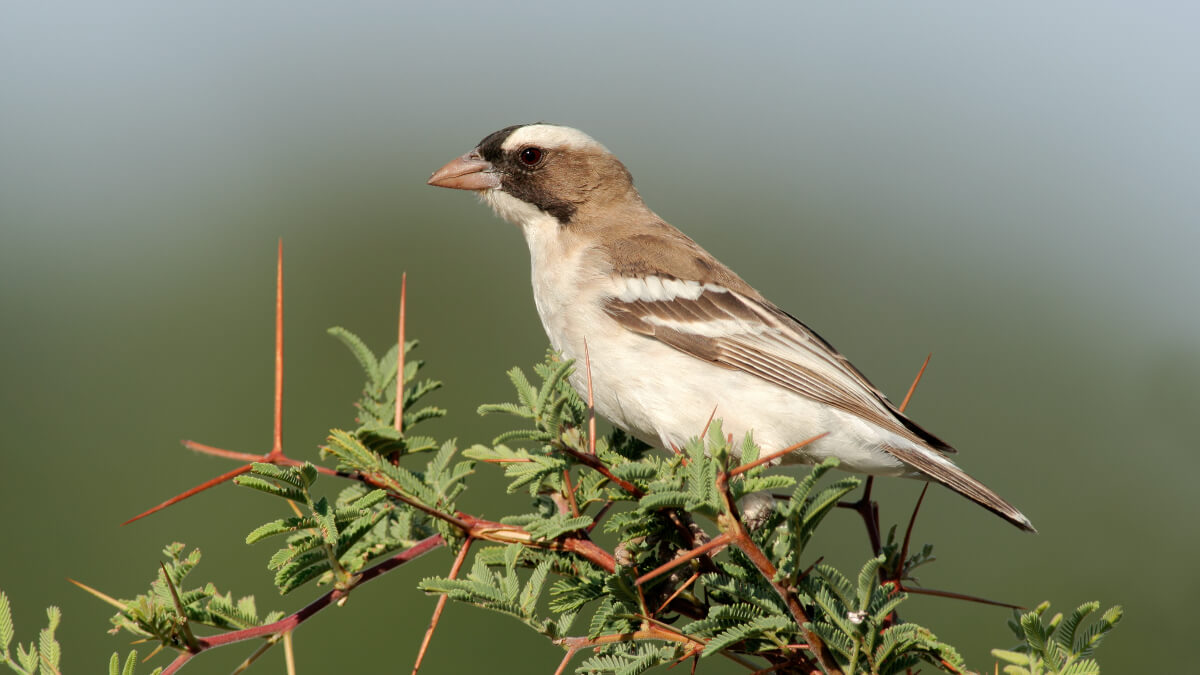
(671, 334)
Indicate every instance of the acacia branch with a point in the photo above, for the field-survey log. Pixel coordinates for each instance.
(291, 621)
(500, 533)
(733, 525)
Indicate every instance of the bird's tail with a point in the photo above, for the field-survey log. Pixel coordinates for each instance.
(941, 470)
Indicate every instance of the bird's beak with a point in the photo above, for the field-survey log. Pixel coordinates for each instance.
(469, 172)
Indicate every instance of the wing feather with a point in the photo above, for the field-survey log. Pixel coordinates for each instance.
(748, 334)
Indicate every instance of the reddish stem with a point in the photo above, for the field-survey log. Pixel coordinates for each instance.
(221, 452)
(478, 528)
(775, 455)
(570, 493)
(916, 381)
(691, 580)
(720, 540)
(229, 475)
(399, 422)
(292, 621)
(592, 462)
(441, 605)
(740, 538)
(587, 360)
(278, 460)
(711, 416)
(277, 435)
(566, 659)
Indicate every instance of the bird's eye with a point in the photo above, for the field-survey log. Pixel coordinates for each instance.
(530, 156)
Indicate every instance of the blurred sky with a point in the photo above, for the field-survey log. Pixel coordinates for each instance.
(1010, 186)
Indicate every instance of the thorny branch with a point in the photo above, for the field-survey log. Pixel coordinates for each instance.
(810, 657)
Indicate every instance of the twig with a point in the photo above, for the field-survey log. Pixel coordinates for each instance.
(399, 422)
(865, 507)
(913, 387)
(570, 492)
(732, 524)
(711, 416)
(958, 596)
(441, 605)
(774, 455)
(178, 663)
(720, 540)
(289, 653)
(899, 578)
(257, 654)
(108, 599)
(908, 533)
(691, 580)
(184, 623)
(275, 455)
(221, 452)
(869, 510)
(599, 514)
(500, 533)
(227, 476)
(277, 432)
(566, 659)
(592, 462)
(649, 632)
(292, 621)
(587, 360)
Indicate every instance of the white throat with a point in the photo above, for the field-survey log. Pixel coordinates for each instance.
(519, 213)
(556, 260)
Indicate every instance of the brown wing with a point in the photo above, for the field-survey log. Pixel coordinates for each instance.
(729, 329)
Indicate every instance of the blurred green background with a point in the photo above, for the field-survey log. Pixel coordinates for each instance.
(1011, 187)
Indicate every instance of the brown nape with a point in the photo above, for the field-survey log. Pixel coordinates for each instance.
(594, 182)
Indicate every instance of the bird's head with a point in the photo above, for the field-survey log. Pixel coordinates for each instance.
(531, 171)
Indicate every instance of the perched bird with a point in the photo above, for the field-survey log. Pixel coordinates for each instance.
(673, 334)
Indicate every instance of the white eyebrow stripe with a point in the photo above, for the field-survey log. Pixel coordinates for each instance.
(549, 136)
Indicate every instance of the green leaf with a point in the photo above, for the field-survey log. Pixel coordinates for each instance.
(738, 633)
(366, 359)
(533, 588)
(550, 384)
(50, 651)
(1066, 633)
(6, 624)
(560, 524)
(270, 488)
(28, 659)
(867, 583)
(1095, 633)
(1035, 632)
(525, 391)
(1016, 658)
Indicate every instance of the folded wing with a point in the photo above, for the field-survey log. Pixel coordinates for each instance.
(729, 329)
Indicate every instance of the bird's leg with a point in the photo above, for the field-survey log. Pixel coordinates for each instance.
(869, 510)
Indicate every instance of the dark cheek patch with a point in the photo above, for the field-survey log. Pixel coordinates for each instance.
(526, 187)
